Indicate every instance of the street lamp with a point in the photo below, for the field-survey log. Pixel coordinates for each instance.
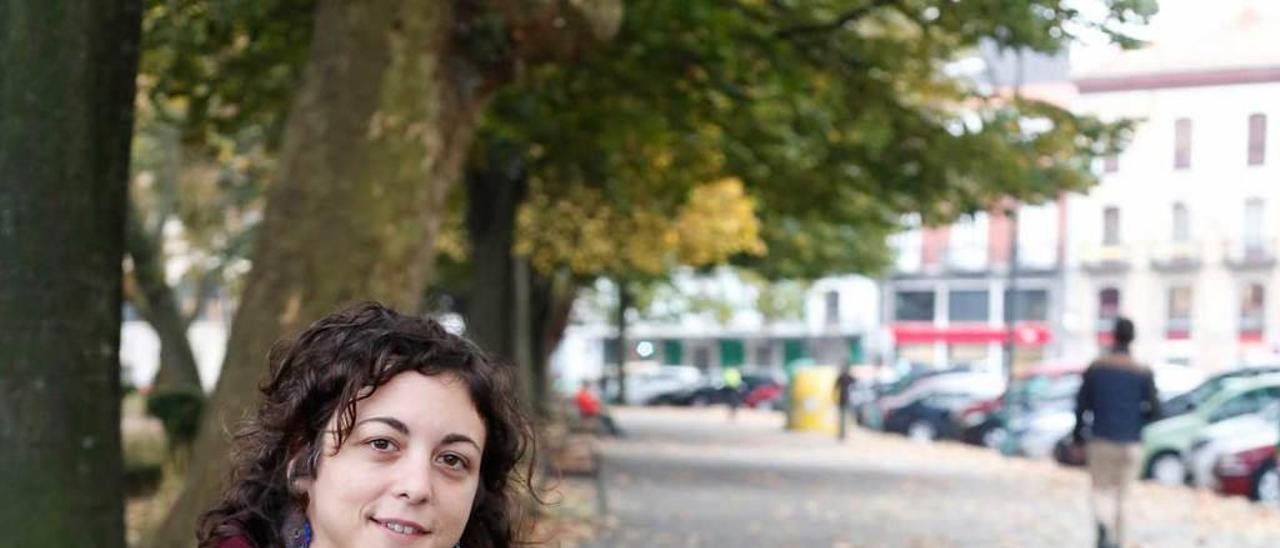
(1010, 314)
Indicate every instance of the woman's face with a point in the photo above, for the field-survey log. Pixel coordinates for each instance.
(407, 475)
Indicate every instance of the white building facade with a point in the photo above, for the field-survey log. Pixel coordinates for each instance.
(838, 321)
(1181, 233)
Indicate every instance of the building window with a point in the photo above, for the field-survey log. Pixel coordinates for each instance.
(968, 306)
(1181, 223)
(702, 357)
(1178, 318)
(1038, 236)
(673, 352)
(833, 307)
(913, 306)
(1108, 308)
(967, 245)
(1182, 143)
(1253, 309)
(733, 352)
(764, 354)
(1257, 139)
(1254, 209)
(1111, 226)
(611, 351)
(1111, 163)
(1032, 305)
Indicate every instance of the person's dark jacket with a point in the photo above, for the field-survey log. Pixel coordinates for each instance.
(1120, 396)
(843, 383)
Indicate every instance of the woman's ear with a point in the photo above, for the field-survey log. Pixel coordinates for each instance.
(301, 470)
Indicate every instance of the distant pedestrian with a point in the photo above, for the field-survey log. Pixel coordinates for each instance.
(1116, 399)
(845, 383)
(732, 379)
(590, 408)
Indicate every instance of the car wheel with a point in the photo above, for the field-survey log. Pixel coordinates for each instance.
(922, 431)
(1266, 488)
(1168, 469)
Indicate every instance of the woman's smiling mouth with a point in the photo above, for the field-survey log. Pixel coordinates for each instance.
(401, 527)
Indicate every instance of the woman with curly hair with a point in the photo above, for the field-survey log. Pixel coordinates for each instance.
(377, 429)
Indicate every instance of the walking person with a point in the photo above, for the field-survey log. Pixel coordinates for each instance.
(1117, 398)
(732, 379)
(844, 384)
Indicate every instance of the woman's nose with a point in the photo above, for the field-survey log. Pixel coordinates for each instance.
(413, 480)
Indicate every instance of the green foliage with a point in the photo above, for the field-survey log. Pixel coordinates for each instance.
(180, 411)
(230, 65)
(837, 115)
(215, 81)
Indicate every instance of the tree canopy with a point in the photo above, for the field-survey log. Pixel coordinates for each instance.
(838, 117)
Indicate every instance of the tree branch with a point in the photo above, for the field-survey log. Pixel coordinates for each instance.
(835, 24)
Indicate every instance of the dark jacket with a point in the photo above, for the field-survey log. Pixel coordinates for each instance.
(1120, 397)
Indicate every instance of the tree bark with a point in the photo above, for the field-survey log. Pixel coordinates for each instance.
(375, 137)
(496, 185)
(66, 99)
(551, 302)
(624, 302)
(157, 305)
(498, 305)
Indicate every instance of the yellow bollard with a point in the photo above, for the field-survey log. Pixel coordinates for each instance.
(813, 399)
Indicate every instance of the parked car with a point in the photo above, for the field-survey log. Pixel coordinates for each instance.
(1173, 380)
(1184, 403)
(1252, 473)
(974, 384)
(765, 396)
(864, 397)
(1229, 436)
(983, 422)
(713, 392)
(645, 381)
(1036, 433)
(1166, 443)
(928, 417)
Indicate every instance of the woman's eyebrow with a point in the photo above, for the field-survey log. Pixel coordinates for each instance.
(460, 438)
(389, 421)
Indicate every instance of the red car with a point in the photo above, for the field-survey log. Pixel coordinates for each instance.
(767, 395)
(1251, 473)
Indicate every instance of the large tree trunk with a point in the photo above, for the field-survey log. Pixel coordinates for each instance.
(557, 293)
(156, 303)
(513, 311)
(550, 302)
(375, 138)
(66, 98)
(497, 314)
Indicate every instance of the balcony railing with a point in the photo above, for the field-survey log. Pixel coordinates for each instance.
(1103, 259)
(1251, 254)
(1177, 257)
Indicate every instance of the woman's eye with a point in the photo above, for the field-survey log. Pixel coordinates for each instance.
(381, 444)
(453, 461)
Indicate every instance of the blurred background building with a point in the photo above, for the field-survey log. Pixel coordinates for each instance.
(1180, 234)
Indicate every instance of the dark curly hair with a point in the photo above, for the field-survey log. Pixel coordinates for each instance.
(328, 369)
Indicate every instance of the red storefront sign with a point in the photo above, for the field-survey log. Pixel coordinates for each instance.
(1024, 334)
